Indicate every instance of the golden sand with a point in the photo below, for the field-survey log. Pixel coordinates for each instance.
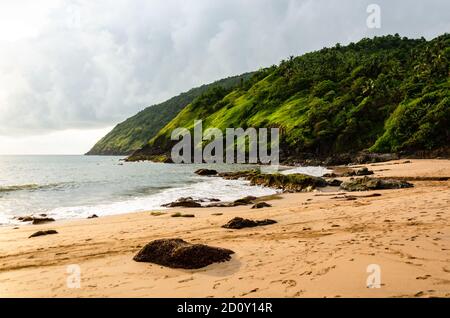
(321, 246)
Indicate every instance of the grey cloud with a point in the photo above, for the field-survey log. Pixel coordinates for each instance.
(94, 63)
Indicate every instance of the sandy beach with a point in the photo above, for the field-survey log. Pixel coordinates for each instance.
(320, 247)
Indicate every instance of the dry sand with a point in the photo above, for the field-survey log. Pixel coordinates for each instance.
(321, 247)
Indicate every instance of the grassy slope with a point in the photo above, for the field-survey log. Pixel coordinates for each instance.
(134, 132)
(385, 94)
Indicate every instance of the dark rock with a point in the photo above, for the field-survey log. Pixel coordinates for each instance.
(295, 182)
(311, 162)
(183, 202)
(181, 215)
(26, 218)
(240, 223)
(358, 158)
(42, 220)
(338, 159)
(176, 253)
(361, 172)
(235, 175)
(244, 201)
(366, 184)
(261, 205)
(364, 172)
(93, 216)
(157, 213)
(330, 175)
(42, 233)
(368, 157)
(334, 182)
(206, 172)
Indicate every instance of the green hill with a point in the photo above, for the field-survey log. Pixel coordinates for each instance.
(136, 131)
(386, 94)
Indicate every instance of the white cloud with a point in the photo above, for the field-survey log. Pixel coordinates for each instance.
(64, 142)
(82, 64)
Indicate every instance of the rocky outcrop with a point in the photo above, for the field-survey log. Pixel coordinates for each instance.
(360, 172)
(366, 184)
(42, 220)
(35, 220)
(26, 218)
(334, 182)
(244, 201)
(42, 233)
(364, 172)
(177, 253)
(240, 223)
(206, 172)
(235, 175)
(184, 203)
(361, 157)
(261, 205)
(287, 183)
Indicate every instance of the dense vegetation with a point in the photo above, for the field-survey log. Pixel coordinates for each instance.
(387, 94)
(136, 131)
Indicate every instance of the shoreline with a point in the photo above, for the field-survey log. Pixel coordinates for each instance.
(166, 195)
(320, 247)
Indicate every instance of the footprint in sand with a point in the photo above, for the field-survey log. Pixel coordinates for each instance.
(289, 282)
(306, 273)
(423, 277)
(250, 292)
(186, 280)
(299, 293)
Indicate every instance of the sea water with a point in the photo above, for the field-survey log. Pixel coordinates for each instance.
(68, 187)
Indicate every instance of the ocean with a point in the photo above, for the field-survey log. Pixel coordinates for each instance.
(70, 187)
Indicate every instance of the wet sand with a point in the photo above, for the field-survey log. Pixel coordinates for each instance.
(321, 246)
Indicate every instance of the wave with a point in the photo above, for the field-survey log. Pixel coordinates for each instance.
(21, 187)
(309, 170)
(224, 190)
(31, 187)
(148, 197)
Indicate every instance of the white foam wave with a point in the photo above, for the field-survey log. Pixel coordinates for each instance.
(310, 170)
(224, 190)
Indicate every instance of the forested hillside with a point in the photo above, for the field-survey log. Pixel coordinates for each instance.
(136, 131)
(387, 94)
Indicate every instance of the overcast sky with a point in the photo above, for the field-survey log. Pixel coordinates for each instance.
(72, 69)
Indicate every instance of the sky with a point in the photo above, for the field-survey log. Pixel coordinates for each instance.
(70, 70)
